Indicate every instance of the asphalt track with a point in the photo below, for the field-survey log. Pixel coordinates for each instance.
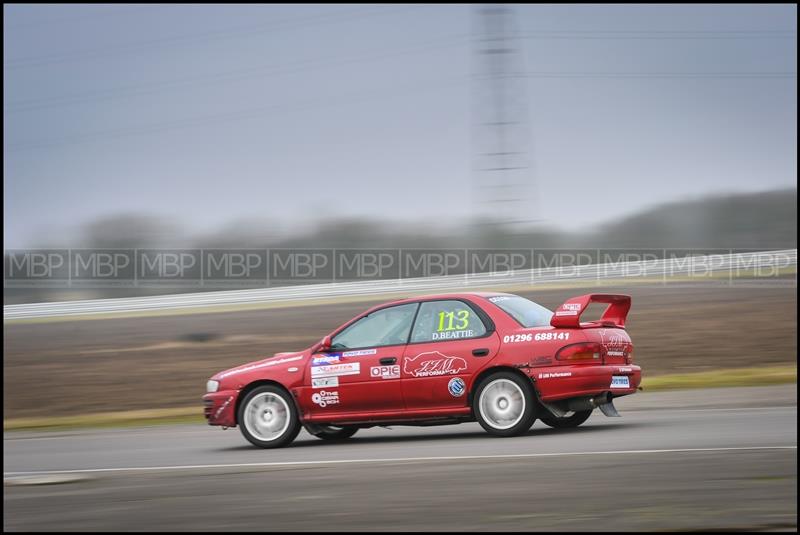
(686, 460)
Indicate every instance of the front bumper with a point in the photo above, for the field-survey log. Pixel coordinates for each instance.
(219, 408)
(562, 382)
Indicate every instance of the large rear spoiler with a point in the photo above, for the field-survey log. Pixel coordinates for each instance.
(569, 314)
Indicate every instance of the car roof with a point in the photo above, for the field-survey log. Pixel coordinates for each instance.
(434, 297)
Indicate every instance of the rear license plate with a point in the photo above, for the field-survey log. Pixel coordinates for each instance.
(620, 381)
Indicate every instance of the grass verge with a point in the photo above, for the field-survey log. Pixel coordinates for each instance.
(760, 376)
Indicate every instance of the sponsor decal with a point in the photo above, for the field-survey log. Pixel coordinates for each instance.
(456, 386)
(262, 365)
(325, 359)
(569, 309)
(385, 372)
(433, 363)
(359, 353)
(331, 370)
(323, 398)
(542, 360)
(623, 369)
(222, 407)
(293, 369)
(324, 382)
(554, 375)
(499, 298)
(615, 344)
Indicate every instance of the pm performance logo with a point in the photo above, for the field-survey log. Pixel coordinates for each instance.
(432, 364)
(456, 387)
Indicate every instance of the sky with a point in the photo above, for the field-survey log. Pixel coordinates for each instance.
(209, 114)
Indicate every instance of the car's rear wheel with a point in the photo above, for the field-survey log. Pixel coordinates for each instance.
(268, 417)
(332, 432)
(504, 404)
(564, 422)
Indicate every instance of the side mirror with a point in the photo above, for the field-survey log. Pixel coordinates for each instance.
(324, 344)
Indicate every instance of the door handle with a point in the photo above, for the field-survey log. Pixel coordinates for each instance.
(482, 352)
(388, 360)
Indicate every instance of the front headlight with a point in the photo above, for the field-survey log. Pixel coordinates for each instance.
(212, 386)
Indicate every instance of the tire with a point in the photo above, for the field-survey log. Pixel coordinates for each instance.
(504, 404)
(331, 432)
(565, 421)
(268, 417)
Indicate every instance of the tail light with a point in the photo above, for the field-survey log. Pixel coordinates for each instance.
(585, 352)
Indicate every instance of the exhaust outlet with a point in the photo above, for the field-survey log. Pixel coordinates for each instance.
(602, 399)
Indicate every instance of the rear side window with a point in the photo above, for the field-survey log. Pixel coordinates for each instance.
(525, 311)
(446, 320)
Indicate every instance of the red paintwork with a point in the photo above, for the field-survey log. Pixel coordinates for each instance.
(421, 391)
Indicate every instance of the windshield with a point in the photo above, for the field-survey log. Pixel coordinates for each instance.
(525, 311)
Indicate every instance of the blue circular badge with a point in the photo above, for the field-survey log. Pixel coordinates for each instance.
(456, 386)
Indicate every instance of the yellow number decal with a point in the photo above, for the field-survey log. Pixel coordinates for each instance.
(463, 319)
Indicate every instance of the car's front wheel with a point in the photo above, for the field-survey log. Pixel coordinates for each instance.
(268, 417)
(332, 432)
(504, 404)
(564, 422)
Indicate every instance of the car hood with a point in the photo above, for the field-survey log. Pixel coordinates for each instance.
(277, 361)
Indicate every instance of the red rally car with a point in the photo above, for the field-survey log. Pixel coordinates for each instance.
(497, 358)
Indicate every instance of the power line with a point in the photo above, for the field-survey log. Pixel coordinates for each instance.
(266, 71)
(243, 114)
(79, 18)
(659, 34)
(248, 113)
(229, 33)
(686, 75)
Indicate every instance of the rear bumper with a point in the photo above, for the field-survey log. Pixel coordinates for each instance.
(219, 407)
(563, 382)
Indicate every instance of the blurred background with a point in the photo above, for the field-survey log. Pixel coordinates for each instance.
(399, 126)
(421, 127)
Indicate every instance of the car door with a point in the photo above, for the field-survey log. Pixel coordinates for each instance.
(361, 372)
(451, 341)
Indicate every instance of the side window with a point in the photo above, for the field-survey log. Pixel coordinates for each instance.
(446, 320)
(385, 327)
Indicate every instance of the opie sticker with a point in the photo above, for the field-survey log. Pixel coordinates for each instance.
(385, 372)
